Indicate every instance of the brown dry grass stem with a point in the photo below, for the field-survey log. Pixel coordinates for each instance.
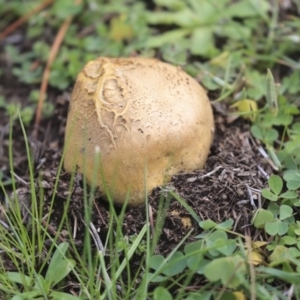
(53, 52)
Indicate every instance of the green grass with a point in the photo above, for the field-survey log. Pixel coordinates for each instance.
(236, 48)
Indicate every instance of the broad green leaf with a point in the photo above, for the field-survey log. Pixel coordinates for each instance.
(270, 136)
(256, 131)
(202, 42)
(19, 278)
(156, 261)
(59, 266)
(175, 54)
(161, 293)
(207, 224)
(197, 264)
(226, 224)
(230, 270)
(294, 252)
(176, 264)
(276, 184)
(285, 212)
(28, 295)
(282, 228)
(269, 195)
(165, 38)
(262, 217)
(283, 118)
(287, 159)
(272, 228)
(292, 177)
(296, 228)
(256, 82)
(215, 241)
(218, 234)
(291, 83)
(244, 9)
(278, 253)
(288, 240)
(296, 127)
(170, 267)
(289, 195)
(292, 228)
(276, 227)
(195, 248)
(234, 31)
(227, 248)
(293, 145)
(62, 296)
(41, 284)
(292, 202)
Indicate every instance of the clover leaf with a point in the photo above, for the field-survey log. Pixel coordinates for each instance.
(229, 270)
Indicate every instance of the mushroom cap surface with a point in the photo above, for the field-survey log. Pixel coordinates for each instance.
(142, 116)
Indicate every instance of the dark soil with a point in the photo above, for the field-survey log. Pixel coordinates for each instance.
(220, 191)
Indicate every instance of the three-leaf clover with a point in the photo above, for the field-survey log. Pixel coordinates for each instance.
(276, 186)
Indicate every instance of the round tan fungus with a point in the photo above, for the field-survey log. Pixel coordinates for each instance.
(136, 120)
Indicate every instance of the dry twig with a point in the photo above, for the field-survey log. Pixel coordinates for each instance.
(53, 52)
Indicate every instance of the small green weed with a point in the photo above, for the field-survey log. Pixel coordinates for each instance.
(199, 21)
(59, 267)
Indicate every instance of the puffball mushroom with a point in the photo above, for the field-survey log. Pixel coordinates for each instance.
(135, 122)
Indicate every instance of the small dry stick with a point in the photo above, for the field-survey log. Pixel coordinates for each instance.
(20, 179)
(151, 219)
(75, 225)
(96, 238)
(212, 172)
(266, 156)
(250, 196)
(263, 172)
